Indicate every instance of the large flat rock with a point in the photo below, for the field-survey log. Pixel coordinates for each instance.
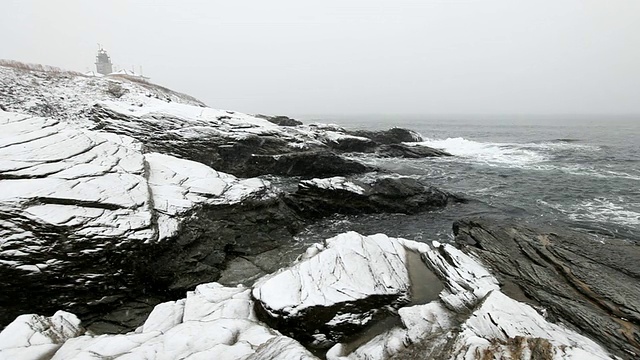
(591, 283)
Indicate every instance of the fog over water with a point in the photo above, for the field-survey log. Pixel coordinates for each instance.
(355, 57)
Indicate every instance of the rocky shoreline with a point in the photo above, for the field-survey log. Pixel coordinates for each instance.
(115, 206)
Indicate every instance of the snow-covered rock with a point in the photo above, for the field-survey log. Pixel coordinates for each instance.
(38, 337)
(353, 281)
(281, 348)
(325, 289)
(212, 322)
(176, 124)
(501, 326)
(219, 339)
(77, 206)
(178, 185)
(472, 319)
(336, 183)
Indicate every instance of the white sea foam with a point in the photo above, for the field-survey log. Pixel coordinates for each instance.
(495, 154)
(529, 156)
(555, 146)
(600, 210)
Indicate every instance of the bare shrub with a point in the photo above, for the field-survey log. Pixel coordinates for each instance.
(36, 67)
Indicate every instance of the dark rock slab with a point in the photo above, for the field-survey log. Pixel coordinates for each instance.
(391, 136)
(594, 285)
(322, 197)
(280, 120)
(214, 235)
(307, 164)
(411, 152)
(353, 144)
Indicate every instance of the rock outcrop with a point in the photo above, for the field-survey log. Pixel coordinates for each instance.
(176, 124)
(331, 295)
(322, 197)
(38, 337)
(344, 282)
(212, 322)
(77, 206)
(594, 285)
(280, 120)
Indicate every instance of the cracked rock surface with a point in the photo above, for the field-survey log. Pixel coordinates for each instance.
(345, 286)
(594, 285)
(470, 318)
(85, 213)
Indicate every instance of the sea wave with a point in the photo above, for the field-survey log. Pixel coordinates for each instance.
(541, 156)
(487, 153)
(600, 210)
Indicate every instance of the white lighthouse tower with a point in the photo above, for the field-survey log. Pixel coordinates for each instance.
(103, 62)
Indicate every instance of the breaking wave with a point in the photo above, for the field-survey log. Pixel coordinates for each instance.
(487, 153)
(530, 156)
(600, 210)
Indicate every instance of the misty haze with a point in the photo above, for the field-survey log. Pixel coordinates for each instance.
(333, 180)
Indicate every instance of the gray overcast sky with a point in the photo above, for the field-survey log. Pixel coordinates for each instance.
(352, 57)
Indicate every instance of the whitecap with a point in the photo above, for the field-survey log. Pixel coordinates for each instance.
(495, 154)
(600, 210)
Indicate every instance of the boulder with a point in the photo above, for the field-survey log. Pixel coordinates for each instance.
(38, 337)
(391, 136)
(280, 120)
(592, 284)
(330, 296)
(322, 197)
(396, 142)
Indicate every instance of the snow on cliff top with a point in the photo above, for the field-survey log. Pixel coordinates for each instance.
(95, 102)
(68, 95)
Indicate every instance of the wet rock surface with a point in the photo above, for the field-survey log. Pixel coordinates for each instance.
(411, 152)
(391, 136)
(340, 282)
(322, 197)
(592, 284)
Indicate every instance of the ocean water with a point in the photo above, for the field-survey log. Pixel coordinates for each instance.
(581, 173)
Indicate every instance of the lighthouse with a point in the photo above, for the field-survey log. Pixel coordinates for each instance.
(103, 62)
